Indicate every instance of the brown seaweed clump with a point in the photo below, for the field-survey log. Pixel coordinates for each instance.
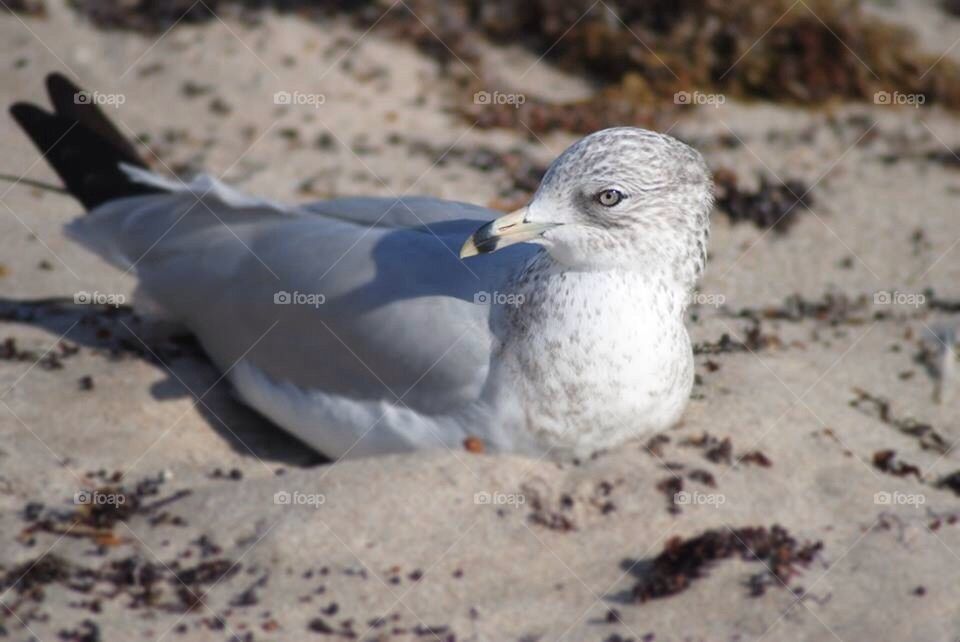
(643, 52)
(36, 8)
(143, 15)
(685, 560)
(773, 205)
(640, 53)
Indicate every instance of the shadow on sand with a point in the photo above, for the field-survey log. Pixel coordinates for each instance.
(117, 333)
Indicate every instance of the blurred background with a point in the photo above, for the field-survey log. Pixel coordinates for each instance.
(825, 328)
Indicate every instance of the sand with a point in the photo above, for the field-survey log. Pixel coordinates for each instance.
(404, 547)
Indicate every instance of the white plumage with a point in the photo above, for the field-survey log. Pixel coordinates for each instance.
(353, 323)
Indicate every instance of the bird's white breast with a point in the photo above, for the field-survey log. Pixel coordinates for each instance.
(592, 358)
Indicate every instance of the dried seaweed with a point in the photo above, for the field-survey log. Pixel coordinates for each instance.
(49, 360)
(36, 8)
(97, 512)
(754, 341)
(833, 308)
(773, 205)
(924, 433)
(145, 584)
(644, 52)
(951, 482)
(886, 461)
(683, 561)
(639, 52)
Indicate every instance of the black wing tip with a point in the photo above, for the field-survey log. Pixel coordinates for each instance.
(20, 110)
(80, 142)
(55, 77)
(58, 85)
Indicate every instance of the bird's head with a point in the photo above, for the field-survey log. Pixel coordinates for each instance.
(622, 198)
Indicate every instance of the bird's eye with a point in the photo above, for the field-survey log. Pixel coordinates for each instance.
(609, 197)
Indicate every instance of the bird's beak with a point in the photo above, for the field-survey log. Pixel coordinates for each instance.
(499, 233)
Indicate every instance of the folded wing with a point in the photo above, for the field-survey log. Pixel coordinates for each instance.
(343, 296)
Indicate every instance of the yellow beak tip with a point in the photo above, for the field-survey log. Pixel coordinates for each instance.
(468, 249)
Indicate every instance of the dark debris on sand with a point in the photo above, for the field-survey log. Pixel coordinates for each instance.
(139, 583)
(144, 15)
(887, 461)
(773, 205)
(112, 330)
(555, 520)
(35, 8)
(951, 6)
(50, 360)
(724, 345)
(754, 340)
(557, 512)
(756, 457)
(718, 451)
(88, 631)
(940, 304)
(671, 487)
(685, 560)
(833, 308)
(97, 512)
(640, 54)
(950, 482)
(924, 433)
(36, 573)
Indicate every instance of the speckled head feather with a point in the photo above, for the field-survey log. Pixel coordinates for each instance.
(627, 198)
(598, 351)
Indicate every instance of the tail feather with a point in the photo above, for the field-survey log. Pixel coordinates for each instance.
(81, 144)
(63, 94)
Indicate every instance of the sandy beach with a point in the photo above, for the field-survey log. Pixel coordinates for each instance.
(819, 431)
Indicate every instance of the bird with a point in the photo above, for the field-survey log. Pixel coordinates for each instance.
(371, 325)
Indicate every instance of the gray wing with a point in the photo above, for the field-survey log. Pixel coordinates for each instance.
(394, 213)
(362, 297)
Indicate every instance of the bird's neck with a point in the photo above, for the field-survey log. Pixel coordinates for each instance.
(545, 286)
(549, 305)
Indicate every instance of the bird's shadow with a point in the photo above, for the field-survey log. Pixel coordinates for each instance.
(117, 333)
(408, 268)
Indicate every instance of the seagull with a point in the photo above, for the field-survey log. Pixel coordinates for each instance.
(368, 325)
